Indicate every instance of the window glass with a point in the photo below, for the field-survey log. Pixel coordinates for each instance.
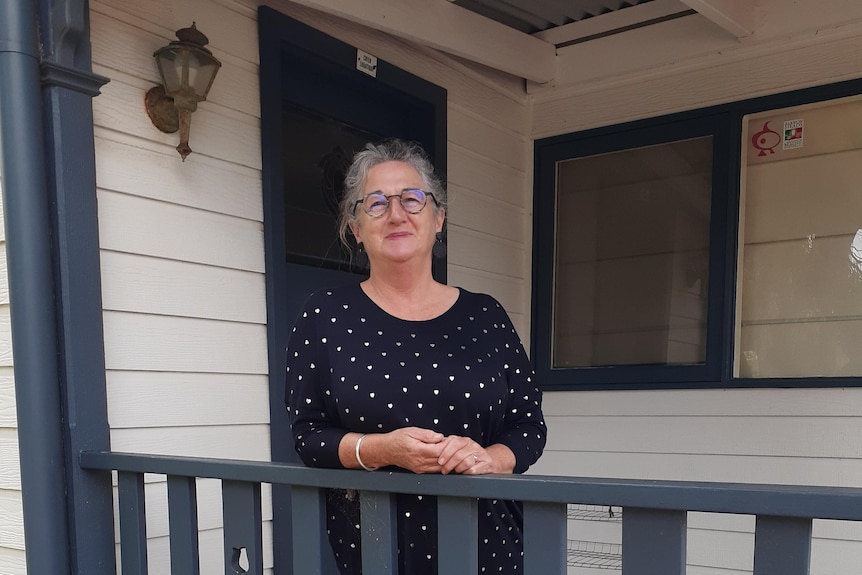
(799, 308)
(631, 257)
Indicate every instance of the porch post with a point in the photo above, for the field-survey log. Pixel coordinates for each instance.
(68, 89)
(54, 282)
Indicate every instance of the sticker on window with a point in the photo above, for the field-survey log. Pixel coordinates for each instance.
(793, 132)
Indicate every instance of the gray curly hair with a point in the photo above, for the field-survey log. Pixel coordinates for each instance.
(392, 150)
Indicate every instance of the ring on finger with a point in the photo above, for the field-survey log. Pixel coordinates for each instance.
(475, 458)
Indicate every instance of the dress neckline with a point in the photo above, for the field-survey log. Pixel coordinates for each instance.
(373, 305)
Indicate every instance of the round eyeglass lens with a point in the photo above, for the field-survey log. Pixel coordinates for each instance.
(376, 204)
(413, 200)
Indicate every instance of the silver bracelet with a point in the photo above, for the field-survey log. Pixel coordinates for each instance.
(359, 459)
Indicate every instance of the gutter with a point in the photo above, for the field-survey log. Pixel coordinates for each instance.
(32, 292)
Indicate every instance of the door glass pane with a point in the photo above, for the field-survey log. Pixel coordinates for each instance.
(318, 151)
(800, 303)
(631, 257)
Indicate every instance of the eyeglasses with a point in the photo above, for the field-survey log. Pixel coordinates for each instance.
(412, 201)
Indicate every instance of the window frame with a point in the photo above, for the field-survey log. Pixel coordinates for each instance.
(724, 124)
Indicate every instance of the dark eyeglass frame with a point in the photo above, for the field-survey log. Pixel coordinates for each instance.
(388, 199)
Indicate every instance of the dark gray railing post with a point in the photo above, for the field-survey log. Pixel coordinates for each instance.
(379, 535)
(133, 523)
(243, 530)
(309, 529)
(457, 535)
(544, 538)
(183, 525)
(653, 541)
(782, 545)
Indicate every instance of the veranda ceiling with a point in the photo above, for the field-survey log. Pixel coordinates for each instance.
(569, 42)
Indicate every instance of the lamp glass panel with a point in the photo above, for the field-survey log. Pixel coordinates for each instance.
(202, 71)
(170, 63)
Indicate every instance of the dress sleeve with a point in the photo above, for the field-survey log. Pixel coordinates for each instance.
(313, 421)
(523, 428)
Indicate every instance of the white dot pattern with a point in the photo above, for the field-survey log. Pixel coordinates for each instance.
(353, 367)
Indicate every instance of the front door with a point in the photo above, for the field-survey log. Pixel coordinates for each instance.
(321, 101)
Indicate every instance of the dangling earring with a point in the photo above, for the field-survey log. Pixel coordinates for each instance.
(439, 249)
(360, 258)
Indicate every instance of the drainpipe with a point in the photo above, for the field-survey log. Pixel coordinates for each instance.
(31, 292)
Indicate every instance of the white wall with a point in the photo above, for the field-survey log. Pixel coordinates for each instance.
(182, 243)
(182, 257)
(791, 436)
(12, 561)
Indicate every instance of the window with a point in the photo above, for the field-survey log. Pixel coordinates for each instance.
(624, 243)
(800, 271)
(715, 248)
(632, 256)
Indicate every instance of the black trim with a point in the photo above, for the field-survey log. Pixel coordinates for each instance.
(717, 372)
(270, 37)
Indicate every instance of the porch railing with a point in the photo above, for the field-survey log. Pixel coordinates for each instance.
(653, 531)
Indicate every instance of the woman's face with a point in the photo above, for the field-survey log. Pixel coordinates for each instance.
(396, 236)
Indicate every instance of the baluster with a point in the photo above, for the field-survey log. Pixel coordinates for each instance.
(183, 525)
(242, 527)
(653, 541)
(457, 536)
(544, 538)
(133, 523)
(309, 530)
(379, 533)
(782, 545)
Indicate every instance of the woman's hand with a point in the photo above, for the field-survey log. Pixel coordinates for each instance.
(465, 456)
(412, 448)
(415, 449)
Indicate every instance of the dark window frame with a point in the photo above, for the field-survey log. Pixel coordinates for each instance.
(724, 124)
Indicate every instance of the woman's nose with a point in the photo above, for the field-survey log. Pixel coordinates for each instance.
(395, 204)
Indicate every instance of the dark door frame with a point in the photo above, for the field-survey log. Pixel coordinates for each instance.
(279, 35)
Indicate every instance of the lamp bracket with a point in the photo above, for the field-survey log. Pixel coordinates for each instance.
(161, 110)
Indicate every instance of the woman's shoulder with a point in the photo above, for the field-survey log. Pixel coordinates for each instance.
(325, 298)
(479, 301)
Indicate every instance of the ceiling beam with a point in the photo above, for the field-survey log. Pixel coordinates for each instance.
(738, 18)
(447, 27)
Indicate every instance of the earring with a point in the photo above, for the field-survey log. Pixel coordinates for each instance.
(360, 258)
(439, 249)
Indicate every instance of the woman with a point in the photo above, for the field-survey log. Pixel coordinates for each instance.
(401, 371)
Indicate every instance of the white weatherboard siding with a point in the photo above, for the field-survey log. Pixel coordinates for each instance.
(12, 560)
(182, 243)
(182, 259)
(790, 436)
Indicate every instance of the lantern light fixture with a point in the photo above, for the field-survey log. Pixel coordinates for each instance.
(187, 70)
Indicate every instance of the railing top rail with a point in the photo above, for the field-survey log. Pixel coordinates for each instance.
(751, 499)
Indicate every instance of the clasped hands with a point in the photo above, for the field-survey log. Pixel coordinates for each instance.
(425, 451)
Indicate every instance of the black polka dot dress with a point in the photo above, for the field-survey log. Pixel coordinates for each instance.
(353, 367)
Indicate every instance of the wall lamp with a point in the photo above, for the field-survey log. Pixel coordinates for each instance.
(187, 70)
